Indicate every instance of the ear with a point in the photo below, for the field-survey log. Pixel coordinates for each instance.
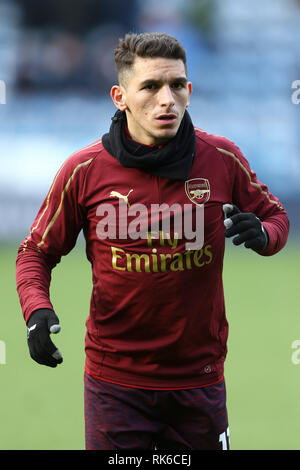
(189, 86)
(118, 96)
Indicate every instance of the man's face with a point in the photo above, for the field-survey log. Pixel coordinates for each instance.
(154, 95)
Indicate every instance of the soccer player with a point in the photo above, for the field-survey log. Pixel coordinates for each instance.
(154, 198)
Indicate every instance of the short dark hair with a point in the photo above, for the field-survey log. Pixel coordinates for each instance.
(147, 45)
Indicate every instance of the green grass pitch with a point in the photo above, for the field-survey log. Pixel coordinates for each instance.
(42, 408)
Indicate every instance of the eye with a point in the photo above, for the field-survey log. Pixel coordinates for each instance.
(150, 86)
(177, 85)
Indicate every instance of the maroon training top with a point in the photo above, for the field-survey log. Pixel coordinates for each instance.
(157, 317)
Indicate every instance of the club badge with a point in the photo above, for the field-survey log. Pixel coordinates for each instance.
(197, 190)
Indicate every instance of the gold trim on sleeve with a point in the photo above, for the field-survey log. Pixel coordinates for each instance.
(55, 216)
(257, 185)
(53, 183)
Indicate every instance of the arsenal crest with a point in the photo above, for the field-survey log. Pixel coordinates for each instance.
(197, 190)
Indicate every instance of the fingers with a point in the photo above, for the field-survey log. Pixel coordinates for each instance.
(230, 210)
(238, 224)
(55, 329)
(42, 349)
(246, 226)
(53, 323)
(41, 354)
(248, 237)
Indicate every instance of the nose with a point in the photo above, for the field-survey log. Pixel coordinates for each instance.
(166, 97)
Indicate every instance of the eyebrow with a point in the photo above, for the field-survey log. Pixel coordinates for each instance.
(153, 81)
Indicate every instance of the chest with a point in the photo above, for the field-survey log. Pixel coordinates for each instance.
(138, 208)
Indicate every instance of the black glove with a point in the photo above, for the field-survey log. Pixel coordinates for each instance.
(246, 226)
(41, 323)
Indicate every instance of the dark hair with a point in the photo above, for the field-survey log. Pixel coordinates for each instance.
(146, 45)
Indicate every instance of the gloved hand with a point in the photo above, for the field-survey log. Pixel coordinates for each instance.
(246, 226)
(41, 323)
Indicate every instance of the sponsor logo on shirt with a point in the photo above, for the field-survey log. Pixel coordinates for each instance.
(160, 262)
(173, 234)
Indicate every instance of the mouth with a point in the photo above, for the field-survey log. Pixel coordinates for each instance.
(167, 119)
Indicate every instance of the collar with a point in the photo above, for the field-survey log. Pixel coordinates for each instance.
(173, 160)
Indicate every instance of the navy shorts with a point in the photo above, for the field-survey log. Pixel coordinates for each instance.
(119, 417)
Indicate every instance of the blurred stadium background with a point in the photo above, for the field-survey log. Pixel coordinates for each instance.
(56, 60)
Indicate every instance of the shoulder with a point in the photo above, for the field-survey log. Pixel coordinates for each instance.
(78, 163)
(80, 160)
(86, 154)
(218, 143)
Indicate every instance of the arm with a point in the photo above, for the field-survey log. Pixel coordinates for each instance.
(52, 235)
(253, 197)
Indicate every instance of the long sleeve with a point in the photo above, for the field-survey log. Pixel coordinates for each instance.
(251, 195)
(53, 234)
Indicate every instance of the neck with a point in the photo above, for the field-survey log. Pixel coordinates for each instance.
(129, 136)
(148, 141)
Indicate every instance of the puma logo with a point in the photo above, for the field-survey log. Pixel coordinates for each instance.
(121, 196)
(33, 327)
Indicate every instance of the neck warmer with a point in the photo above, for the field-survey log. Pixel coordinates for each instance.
(174, 160)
